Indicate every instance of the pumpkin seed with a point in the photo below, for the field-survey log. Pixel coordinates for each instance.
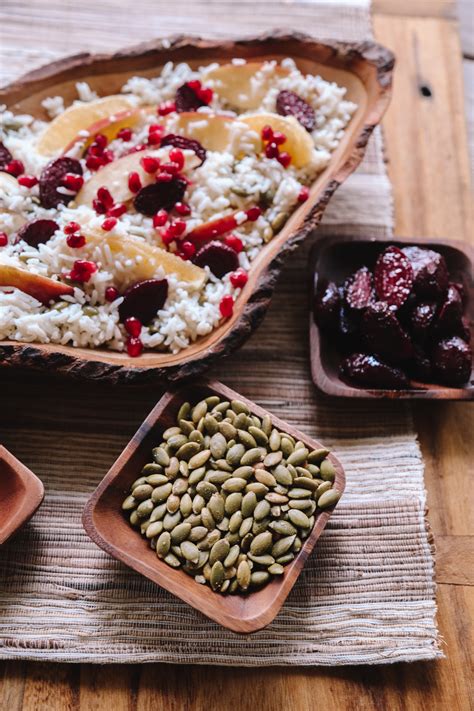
(327, 471)
(258, 578)
(144, 509)
(172, 560)
(199, 459)
(197, 533)
(272, 459)
(188, 450)
(154, 529)
(234, 484)
(261, 543)
(261, 559)
(218, 445)
(298, 456)
(300, 504)
(186, 427)
(157, 479)
(227, 430)
(243, 575)
(265, 477)
(282, 546)
(262, 510)
(284, 528)
(233, 503)
(163, 544)
(276, 569)
(171, 520)
(199, 411)
(286, 446)
(129, 503)
(328, 498)
(316, 456)
(239, 407)
(177, 440)
(216, 507)
(161, 493)
(304, 482)
(181, 532)
(219, 551)
(235, 454)
(197, 475)
(284, 559)
(258, 488)
(160, 456)
(190, 551)
(245, 527)
(152, 468)
(184, 411)
(298, 493)
(299, 518)
(322, 488)
(207, 519)
(252, 456)
(196, 436)
(246, 439)
(249, 502)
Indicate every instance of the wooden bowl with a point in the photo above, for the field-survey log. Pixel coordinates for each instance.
(335, 258)
(107, 526)
(21, 493)
(365, 69)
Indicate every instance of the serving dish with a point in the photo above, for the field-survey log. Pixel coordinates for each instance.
(21, 493)
(364, 69)
(109, 529)
(334, 259)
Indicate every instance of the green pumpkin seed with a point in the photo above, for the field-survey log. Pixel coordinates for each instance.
(172, 503)
(304, 482)
(144, 509)
(262, 559)
(327, 471)
(163, 544)
(158, 512)
(258, 435)
(197, 533)
(180, 486)
(157, 479)
(184, 411)
(284, 528)
(246, 541)
(129, 503)
(186, 427)
(223, 465)
(197, 437)
(298, 493)
(258, 488)
(274, 498)
(219, 551)
(171, 431)
(197, 475)
(296, 547)
(279, 221)
(206, 489)
(152, 468)
(300, 504)
(172, 560)
(161, 493)
(154, 528)
(160, 456)
(322, 488)
(274, 441)
(217, 477)
(181, 532)
(235, 521)
(218, 445)
(313, 469)
(282, 475)
(252, 456)
(286, 447)
(205, 544)
(282, 546)
(234, 484)
(227, 430)
(276, 569)
(190, 551)
(233, 503)
(329, 498)
(261, 543)
(244, 472)
(186, 451)
(231, 557)
(246, 439)
(176, 441)
(134, 519)
(265, 477)
(216, 507)
(249, 502)
(316, 456)
(262, 510)
(199, 503)
(199, 411)
(273, 459)
(235, 454)
(258, 578)
(246, 527)
(298, 457)
(284, 559)
(171, 520)
(207, 519)
(260, 526)
(222, 406)
(299, 518)
(239, 407)
(199, 459)
(243, 575)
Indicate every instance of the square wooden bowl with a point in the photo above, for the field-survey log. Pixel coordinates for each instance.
(105, 523)
(334, 259)
(21, 493)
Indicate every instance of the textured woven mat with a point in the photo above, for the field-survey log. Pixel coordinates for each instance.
(367, 593)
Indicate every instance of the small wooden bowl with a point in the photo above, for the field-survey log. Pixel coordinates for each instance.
(21, 493)
(364, 69)
(109, 529)
(334, 259)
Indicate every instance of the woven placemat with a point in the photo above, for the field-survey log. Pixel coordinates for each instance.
(367, 594)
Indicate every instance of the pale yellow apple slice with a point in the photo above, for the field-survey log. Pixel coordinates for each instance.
(243, 86)
(40, 287)
(63, 131)
(216, 132)
(298, 144)
(151, 258)
(114, 176)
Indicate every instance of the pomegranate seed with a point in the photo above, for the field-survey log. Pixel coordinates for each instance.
(171, 168)
(15, 168)
(108, 156)
(111, 293)
(253, 213)
(105, 197)
(94, 162)
(167, 108)
(156, 128)
(278, 138)
(267, 133)
(284, 159)
(182, 208)
(3, 239)
(154, 139)
(303, 194)
(73, 182)
(271, 150)
(134, 347)
(82, 270)
(239, 278)
(178, 227)
(125, 134)
(137, 148)
(117, 210)
(177, 156)
(164, 177)
(133, 326)
(71, 228)
(109, 224)
(28, 181)
(206, 94)
(134, 182)
(234, 243)
(75, 240)
(160, 219)
(95, 150)
(149, 164)
(100, 140)
(167, 236)
(226, 306)
(188, 250)
(99, 206)
(194, 84)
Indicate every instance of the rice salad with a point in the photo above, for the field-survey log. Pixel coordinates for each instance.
(131, 221)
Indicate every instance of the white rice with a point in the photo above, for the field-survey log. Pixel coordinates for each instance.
(221, 185)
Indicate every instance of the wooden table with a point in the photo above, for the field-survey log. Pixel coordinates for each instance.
(429, 166)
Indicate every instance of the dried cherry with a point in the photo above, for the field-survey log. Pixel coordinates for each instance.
(452, 361)
(290, 104)
(185, 144)
(422, 319)
(369, 371)
(359, 289)
(5, 156)
(160, 196)
(144, 299)
(384, 334)
(37, 231)
(430, 273)
(450, 313)
(187, 99)
(220, 258)
(419, 367)
(393, 277)
(51, 179)
(326, 306)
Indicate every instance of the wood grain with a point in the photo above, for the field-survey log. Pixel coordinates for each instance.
(21, 493)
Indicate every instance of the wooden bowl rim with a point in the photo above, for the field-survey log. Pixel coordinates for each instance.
(103, 364)
(26, 502)
(201, 597)
(341, 389)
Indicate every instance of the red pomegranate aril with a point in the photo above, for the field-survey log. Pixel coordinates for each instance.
(166, 108)
(71, 228)
(75, 240)
(194, 84)
(284, 159)
(182, 208)
(94, 162)
(134, 347)
(125, 134)
(111, 293)
(272, 150)
(100, 140)
(105, 197)
(279, 138)
(73, 182)
(95, 150)
(178, 227)
(303, 194)
(234, 243)
(156, 128)
(177, 156)
(171, 168)
(267, 133)
(109, 224)
(133, 326)
(167, 236)
(108, 156)
(15, 168)
(99, 206)
(188, 250)
(134, 182)
(253, 213)
(117, 210)
(150, 164)
(205, 94)
(164, 177)
(154, 139)
(160, 219)
(239, 278)
(226, 306)
(28, 181)
(3, 239)
(82, 270)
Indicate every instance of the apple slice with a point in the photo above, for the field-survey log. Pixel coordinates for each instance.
(63, 131)
(298, 144)
(114, 176)
(216, 132)
(109, 127)
(40, 287)
(151, 258)
(239, 85)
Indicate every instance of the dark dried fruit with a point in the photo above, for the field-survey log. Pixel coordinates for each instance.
(185, 144)
(452, 361)
(422, 319)
(450, 313)
(326, 306)
(368, 371)
(384, 334)
(393, 277)
(419, 367)
(144, 300)
(348, 327)
(187, 99)
(220, 258)
(465, 330)
(430, 273)
(5, 156)
(462, 291)
(51, 179)
(290, 104)
(37, 231)
(159, 196)
(359, 289)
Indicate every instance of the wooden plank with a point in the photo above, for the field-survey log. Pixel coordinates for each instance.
(455, 560)
(445, 9)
